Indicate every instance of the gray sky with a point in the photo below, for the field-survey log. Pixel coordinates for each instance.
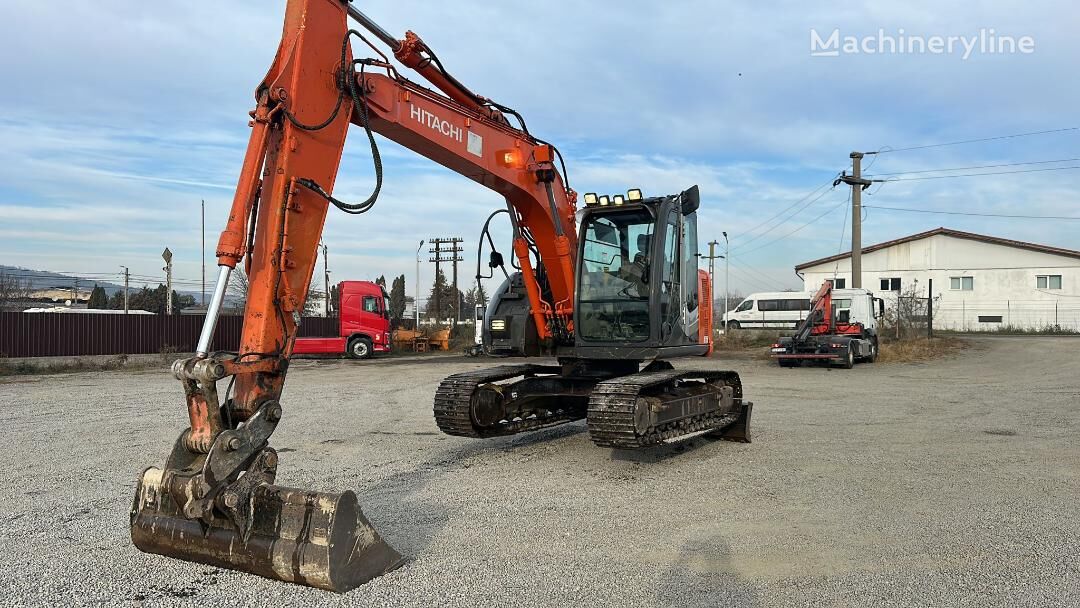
(120, 116)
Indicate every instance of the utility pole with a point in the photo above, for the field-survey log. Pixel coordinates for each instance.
(167, 256)
(75, 293)
(453, 248)
(438, 260)
(326, 276)
(712, 271)
(416, 299)
(126, 277)
(930, 309)
(457, 293)
(203, 205)
(727, 267)
(858, 184)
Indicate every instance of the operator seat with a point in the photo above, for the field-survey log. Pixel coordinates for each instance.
(637, 273)
(643, 243)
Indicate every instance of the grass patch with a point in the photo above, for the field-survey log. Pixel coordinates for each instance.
(754, 342)
(1012, 330)
(757, 342)
(743, 339)
(919, 349)
(28, 366)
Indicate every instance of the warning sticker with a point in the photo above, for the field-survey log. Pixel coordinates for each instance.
(476, 144)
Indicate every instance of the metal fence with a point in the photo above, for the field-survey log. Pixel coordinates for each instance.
(908, 316)
(73, 334)
(996, 315)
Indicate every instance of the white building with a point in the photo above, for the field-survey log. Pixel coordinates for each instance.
(979, 282)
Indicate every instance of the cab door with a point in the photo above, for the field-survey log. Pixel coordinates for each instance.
(670, 296)
(371, 312)
(744, 313)
(690, 283)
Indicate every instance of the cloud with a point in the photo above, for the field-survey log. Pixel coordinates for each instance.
(110, 148)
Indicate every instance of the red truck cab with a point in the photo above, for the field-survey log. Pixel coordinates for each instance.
(363, 324)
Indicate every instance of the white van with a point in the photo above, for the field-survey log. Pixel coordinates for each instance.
(769, 309)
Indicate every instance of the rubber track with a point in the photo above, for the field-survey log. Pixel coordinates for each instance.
(613, 403)
(453, 403)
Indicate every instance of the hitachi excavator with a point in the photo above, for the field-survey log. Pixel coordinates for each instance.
(609, 302)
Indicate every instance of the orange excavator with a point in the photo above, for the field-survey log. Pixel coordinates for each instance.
(609, 300)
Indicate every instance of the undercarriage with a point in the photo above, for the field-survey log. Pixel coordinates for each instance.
(625, 408)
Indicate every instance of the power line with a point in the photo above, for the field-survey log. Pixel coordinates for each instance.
(776, 240)
(843, 231)
(911, 179)
(1034, 162)
(1026, 217)
(778, 213)
(781, 222)
(750, 269)
(973, 141)
(752, 279)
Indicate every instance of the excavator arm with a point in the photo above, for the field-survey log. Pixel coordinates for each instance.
(215, 500)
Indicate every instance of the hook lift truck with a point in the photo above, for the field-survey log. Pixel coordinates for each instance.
(840, 329)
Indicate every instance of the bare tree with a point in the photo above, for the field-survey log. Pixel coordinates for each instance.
(909, 317)
(733, 300)
(314, 305)
(238, 287)
(12, 290)
(238, 291)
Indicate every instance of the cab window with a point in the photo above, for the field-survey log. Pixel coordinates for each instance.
(616, 271)
(370, 304)
(747, 305)
(690, 260)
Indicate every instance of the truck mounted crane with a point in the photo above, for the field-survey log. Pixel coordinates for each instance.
(610, 302)
(841, 328)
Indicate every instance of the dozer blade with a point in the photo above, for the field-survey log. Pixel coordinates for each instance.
(317, 539)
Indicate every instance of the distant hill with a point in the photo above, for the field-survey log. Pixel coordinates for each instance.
(43, 279)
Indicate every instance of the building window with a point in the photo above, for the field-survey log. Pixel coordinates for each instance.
(892, 284)
(989, 318)
(1048, 281)
(962, 283)
(837, 283)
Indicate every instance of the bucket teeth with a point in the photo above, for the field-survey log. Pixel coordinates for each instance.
(310, 538)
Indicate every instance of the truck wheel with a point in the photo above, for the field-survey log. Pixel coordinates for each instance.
(359, 348)
(733, 325)
(873, 352)
(849, 360)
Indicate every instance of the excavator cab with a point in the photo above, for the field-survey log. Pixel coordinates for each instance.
(637, 277)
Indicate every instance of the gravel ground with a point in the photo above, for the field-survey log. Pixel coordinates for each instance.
(947, 483)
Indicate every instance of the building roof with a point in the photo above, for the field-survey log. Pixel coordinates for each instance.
(993, 240)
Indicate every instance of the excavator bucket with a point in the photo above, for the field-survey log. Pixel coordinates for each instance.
(317, 539)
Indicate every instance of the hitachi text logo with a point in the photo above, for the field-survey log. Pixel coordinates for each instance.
(442, 126)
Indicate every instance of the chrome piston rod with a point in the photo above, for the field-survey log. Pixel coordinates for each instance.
(373, 27)
(213, 311)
